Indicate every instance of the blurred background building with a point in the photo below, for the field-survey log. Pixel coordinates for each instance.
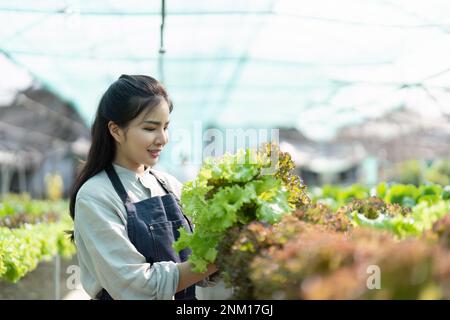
(41, 134)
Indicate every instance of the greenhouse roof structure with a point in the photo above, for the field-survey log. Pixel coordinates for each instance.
(312, 65)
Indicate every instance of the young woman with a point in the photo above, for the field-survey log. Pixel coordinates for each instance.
(126, 215)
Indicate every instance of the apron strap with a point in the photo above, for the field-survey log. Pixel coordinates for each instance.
(164, 185)
(170, 191)
(118, 186)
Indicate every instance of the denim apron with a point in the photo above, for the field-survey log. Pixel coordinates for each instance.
(152, 226)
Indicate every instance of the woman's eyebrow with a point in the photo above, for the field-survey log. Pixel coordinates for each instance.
(155, 122)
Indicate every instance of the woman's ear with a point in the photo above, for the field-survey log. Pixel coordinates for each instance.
(116, 132)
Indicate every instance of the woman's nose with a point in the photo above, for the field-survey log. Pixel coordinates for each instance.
(162, 137)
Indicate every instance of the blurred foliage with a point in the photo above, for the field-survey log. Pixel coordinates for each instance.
(298, 260)
(54, 186)
(31, 231)
(442, 230)
(439, 172)
(320, 252)
(323, 215)
(416, 172)
(409, 172)
(16, 209)
(405, 195)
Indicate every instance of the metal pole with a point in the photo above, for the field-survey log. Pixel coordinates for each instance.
(57, 277)
(163, 17)
(6, 179)
(161, 44)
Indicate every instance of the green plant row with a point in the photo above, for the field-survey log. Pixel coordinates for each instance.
(23, 248)
(418, 172)
(376, 213)
(414, 223)
(13, 204)
(405, 195)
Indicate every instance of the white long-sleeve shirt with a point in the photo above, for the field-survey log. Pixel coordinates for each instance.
(106, 256)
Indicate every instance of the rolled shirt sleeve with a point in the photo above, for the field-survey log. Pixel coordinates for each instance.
(103, 244)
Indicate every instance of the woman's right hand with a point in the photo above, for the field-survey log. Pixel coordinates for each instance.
(187, 277)
(211, 268)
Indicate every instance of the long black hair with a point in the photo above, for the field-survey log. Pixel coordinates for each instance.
(123, 101)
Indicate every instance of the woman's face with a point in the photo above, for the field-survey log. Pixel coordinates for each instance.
(146, 136)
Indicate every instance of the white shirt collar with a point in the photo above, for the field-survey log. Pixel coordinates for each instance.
(132, 174)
